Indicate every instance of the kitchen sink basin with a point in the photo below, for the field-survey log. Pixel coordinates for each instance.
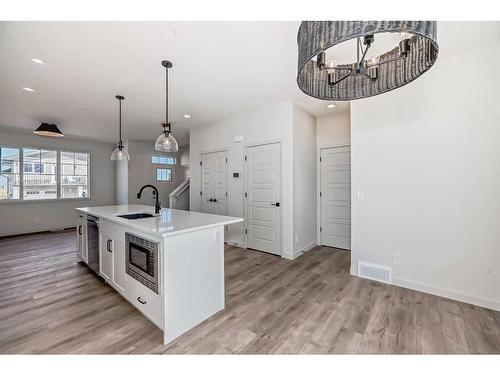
(141, 215)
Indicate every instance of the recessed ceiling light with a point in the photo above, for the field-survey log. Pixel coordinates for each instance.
(187, 116)
(331, 105)
(28, 89)
(38, 61)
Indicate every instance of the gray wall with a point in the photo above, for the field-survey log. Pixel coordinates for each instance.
(141, 172)
(25, 217)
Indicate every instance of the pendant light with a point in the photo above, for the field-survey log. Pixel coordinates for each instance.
(48, 130)
(120, 154)
(370, 73)
(166, 141)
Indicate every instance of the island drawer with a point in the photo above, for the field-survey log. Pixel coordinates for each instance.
(145, 300)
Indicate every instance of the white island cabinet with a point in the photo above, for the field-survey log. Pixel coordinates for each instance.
(189, 265)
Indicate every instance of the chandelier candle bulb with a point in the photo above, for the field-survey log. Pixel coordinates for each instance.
(321, 60)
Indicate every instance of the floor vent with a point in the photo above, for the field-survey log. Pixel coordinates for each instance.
(374, 272)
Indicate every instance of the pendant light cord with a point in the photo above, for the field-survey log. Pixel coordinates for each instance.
(120, 117)
(166, 95)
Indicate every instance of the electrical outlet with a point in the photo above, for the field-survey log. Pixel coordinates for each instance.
(396, 258)
(360, 195)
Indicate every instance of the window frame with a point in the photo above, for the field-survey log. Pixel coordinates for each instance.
(58, 175)
(164, 181)
(158, 163)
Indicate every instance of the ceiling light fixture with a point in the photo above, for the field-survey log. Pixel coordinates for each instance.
(415, 53)
(38, 61)
(332, 105)
(187, 116)
(120, 153)
(29, 89)
(48, 130)
(166, 141)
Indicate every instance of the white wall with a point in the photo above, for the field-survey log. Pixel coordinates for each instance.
(334, 129)
(141, 172)
(304, 181)
(427, 157)
(269, 124)
(25, 217)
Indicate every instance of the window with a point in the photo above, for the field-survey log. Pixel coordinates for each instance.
(74, 175)
(39, 183)
(31, 173)
(10, 185)
(156, 159)
(163, 174)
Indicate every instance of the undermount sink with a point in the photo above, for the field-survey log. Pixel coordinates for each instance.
(141, 215)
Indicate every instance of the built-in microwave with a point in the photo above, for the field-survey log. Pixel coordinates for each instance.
(142, 261)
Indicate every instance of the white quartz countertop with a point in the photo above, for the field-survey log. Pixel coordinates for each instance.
(170, 222)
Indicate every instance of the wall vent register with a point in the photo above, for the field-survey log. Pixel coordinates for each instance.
(375, 272)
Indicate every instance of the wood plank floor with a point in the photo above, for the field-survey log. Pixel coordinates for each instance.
(49, 303)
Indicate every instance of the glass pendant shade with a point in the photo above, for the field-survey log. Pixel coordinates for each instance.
(120, 154)
(166, 143)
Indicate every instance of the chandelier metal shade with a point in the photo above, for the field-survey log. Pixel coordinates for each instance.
(166, 141)
(120, 153)
(415, 53)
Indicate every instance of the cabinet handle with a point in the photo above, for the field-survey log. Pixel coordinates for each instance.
(80, 230)
(108, 246)
(141, 301)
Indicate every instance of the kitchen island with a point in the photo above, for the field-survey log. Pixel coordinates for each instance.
(170, 266)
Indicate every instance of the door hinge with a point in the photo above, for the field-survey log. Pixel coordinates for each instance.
(320, 194)
(246, 231)
(201, 163)
(226, 193)
(226, 160)
(245, 194)
(321, 229)
(320, 159)
(201, 193)
(245, 158)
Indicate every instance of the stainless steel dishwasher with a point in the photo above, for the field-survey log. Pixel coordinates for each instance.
(93, 243)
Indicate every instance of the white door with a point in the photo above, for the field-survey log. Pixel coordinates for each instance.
(214, 183)
(263, 197)
(335, 197)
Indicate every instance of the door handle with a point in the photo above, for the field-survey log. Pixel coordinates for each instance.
(141, 301)
(277, 204)
(80, 230)
(108, 246)
(215, 200)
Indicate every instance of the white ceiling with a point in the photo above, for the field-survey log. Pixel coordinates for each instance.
(220, 69)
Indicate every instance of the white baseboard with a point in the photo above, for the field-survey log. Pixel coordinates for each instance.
(446, 293)
(298, 253)
(441, 292)
(458, 296)
(234, 243)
